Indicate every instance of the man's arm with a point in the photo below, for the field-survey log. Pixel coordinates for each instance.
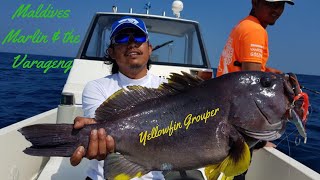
(250, 66)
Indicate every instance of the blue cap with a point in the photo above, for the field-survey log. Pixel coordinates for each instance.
(127, 22)
(288, 1)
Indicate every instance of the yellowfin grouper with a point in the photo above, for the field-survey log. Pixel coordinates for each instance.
(185, 124)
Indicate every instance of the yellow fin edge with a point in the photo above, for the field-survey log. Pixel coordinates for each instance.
(229, 167)
(124, 176)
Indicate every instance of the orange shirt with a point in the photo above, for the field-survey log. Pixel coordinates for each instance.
(248, 42)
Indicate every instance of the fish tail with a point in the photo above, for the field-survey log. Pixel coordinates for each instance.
(51, 139)
(236, 163)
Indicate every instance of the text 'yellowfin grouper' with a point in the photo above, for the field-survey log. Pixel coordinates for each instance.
(174, 126)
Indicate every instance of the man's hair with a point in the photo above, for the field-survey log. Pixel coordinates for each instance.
(109, 61)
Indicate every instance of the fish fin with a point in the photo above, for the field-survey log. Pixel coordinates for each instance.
(212, 172)
(50, 139)
(234, 164)
(126, 98)
(179, 83)
(238, 160)
(119, 168)
(224, 177)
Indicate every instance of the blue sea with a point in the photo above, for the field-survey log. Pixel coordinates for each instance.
(28, 92)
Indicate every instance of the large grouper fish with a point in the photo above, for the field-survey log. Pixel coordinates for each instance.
(184, 124)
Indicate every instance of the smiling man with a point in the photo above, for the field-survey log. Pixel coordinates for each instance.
(247, 46)
(129, 53)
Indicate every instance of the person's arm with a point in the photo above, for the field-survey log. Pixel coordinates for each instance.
(250, 66)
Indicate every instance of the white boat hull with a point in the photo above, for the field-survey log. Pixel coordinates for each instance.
(15, 165)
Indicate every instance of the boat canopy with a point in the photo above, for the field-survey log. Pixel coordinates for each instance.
(175, 41)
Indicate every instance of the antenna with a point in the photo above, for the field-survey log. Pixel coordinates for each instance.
(114, 9)
(147, 7)
(177, 7)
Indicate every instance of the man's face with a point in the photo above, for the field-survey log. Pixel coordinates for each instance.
(131, 56)
(268, 12)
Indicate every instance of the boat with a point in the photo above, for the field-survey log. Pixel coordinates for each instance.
(178, 46)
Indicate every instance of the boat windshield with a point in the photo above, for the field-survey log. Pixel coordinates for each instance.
(174, 41)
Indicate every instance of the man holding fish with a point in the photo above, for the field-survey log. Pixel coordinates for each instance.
(129, 52)
(257, 58)
(257, 107)
(263, 13)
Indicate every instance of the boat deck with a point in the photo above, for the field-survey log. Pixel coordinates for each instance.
(267, 163)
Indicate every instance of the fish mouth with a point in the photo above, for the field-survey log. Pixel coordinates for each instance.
(262, 135)
(275, 129)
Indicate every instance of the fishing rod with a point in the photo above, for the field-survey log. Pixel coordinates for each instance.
(311, 90)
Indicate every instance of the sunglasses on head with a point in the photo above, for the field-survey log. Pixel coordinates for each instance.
(124, 38)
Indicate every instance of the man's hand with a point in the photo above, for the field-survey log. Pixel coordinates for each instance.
(100, 144)
(270, 144)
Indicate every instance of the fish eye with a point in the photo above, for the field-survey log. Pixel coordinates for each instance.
(265, 81)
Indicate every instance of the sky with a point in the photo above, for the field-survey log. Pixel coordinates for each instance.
(293, 40)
